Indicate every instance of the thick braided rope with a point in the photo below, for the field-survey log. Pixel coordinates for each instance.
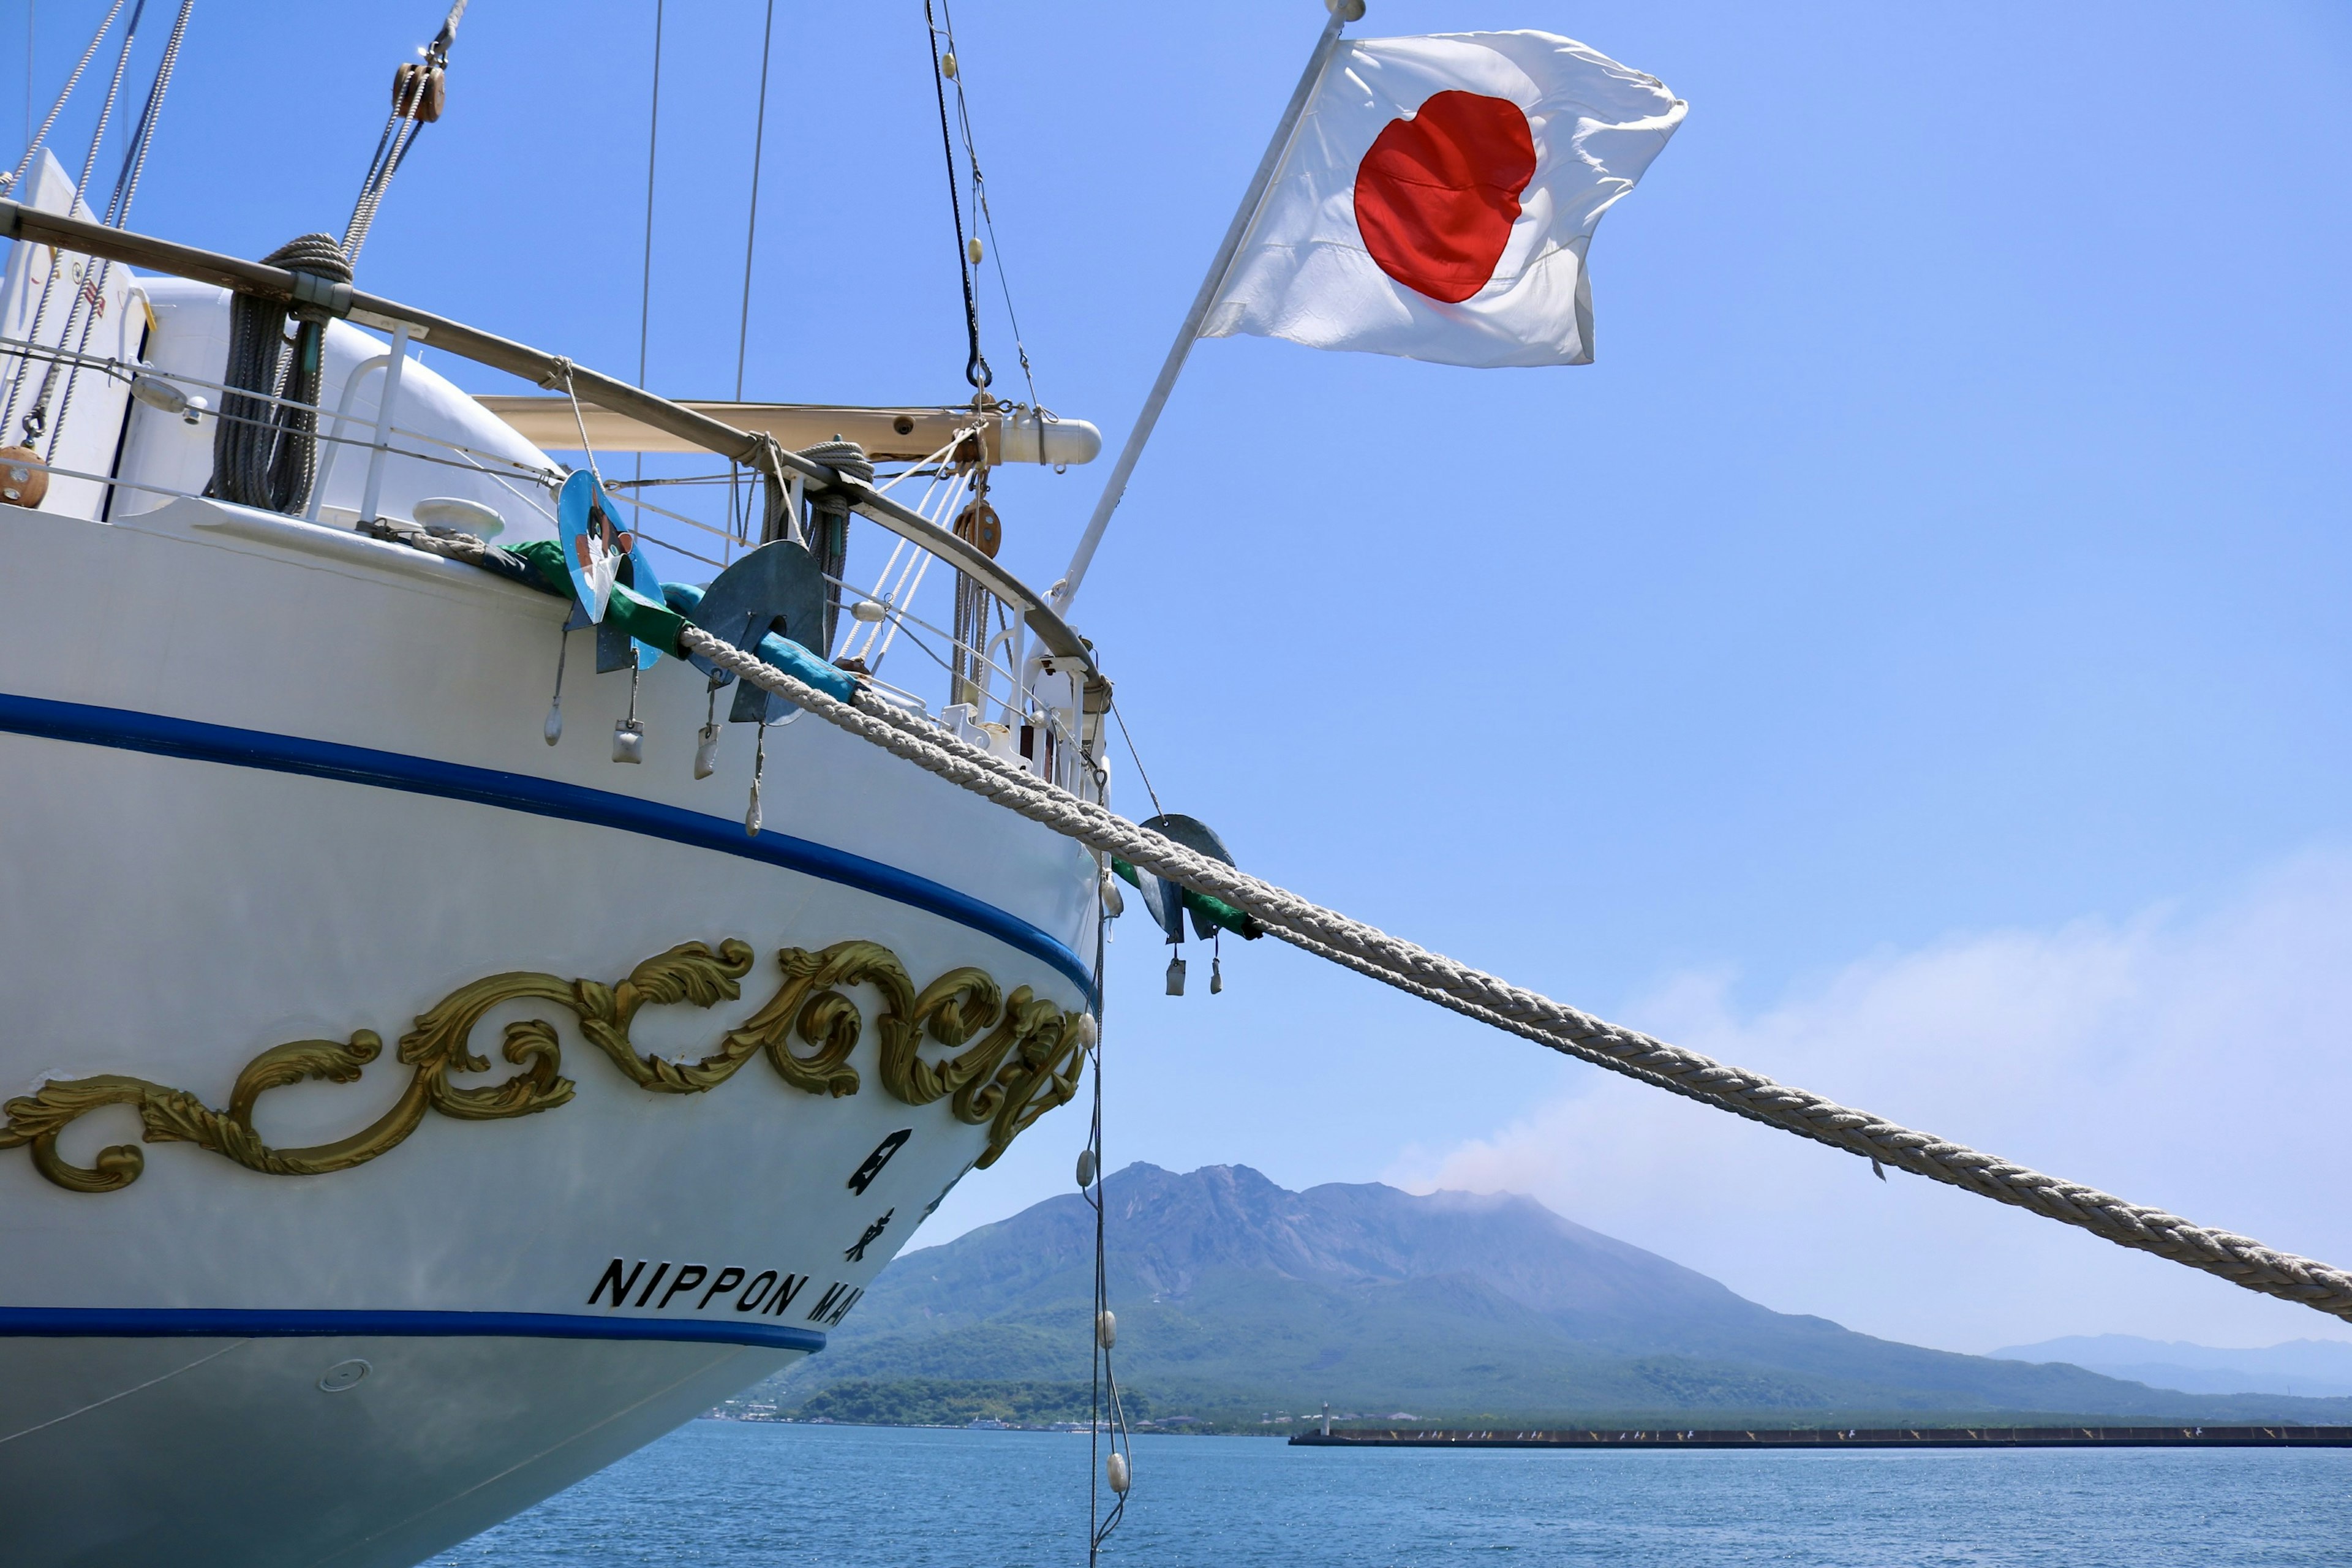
(1418, 972)
(1525, 1031)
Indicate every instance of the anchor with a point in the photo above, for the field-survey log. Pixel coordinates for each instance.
(777, 589)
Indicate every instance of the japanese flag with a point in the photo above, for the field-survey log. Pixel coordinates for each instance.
(1438, 196)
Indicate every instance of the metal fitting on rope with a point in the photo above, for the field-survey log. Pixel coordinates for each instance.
(420, 88)
(319, 293)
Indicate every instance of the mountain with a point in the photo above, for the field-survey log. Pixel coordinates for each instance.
(2316, 1368)
(1237, 1299)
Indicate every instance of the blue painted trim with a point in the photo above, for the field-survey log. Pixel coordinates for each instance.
(135, 731)
(138, 1323)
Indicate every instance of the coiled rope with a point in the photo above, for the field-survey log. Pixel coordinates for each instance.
(1418, 972)
(829, 520)
(263, 453)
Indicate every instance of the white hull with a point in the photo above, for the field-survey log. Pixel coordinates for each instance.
(223, 1451)
(262, 792)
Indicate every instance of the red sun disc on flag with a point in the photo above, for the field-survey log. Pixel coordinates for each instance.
(1437, 194)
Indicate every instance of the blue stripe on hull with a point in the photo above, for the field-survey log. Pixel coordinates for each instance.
(236, 1323)
(135, 731)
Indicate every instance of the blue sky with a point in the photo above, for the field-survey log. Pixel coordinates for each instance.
(1930, 606)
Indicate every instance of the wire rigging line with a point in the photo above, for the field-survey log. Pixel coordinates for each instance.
(752, 224)
(37, 419)
(1138, 757)
(975, 368)
(118, 210)
(143, 136)
(653, 147)
(646, 282)
(1108, 1426)
(113, 95)
(750, 237)
(34, 143)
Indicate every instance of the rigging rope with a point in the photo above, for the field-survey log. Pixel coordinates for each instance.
(1110, 1413)
(739, 524)
(1418, 972)
(1128, 736)
(134, 157)
(417, 99)
(36, 418)
(975, 369)
(751, 223)
(118, 214)
(645, 283)
(985, 218)
(33, 143)
(263, 452)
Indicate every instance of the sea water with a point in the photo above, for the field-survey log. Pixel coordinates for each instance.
(724, 1494)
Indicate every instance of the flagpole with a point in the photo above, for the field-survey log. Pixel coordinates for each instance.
(1342, 13)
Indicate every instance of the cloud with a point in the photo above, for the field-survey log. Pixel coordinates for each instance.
(2201, 1061)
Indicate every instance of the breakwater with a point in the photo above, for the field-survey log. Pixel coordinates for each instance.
(1846, 1437)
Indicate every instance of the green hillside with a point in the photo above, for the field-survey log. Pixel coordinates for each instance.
(1239, 1301)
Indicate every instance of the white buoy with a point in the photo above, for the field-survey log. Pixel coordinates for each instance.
(628, 741)
(1086, 1169)
(705, 751)
(1175, 977)
(1106, 1329)
(1118, 1473)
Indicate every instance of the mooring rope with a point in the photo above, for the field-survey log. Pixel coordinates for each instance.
(1434, 977)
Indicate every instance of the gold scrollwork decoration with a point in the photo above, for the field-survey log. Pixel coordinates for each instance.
(1027, 1059)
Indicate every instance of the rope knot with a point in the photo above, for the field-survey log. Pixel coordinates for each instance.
(314, 253)
(847, 458)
